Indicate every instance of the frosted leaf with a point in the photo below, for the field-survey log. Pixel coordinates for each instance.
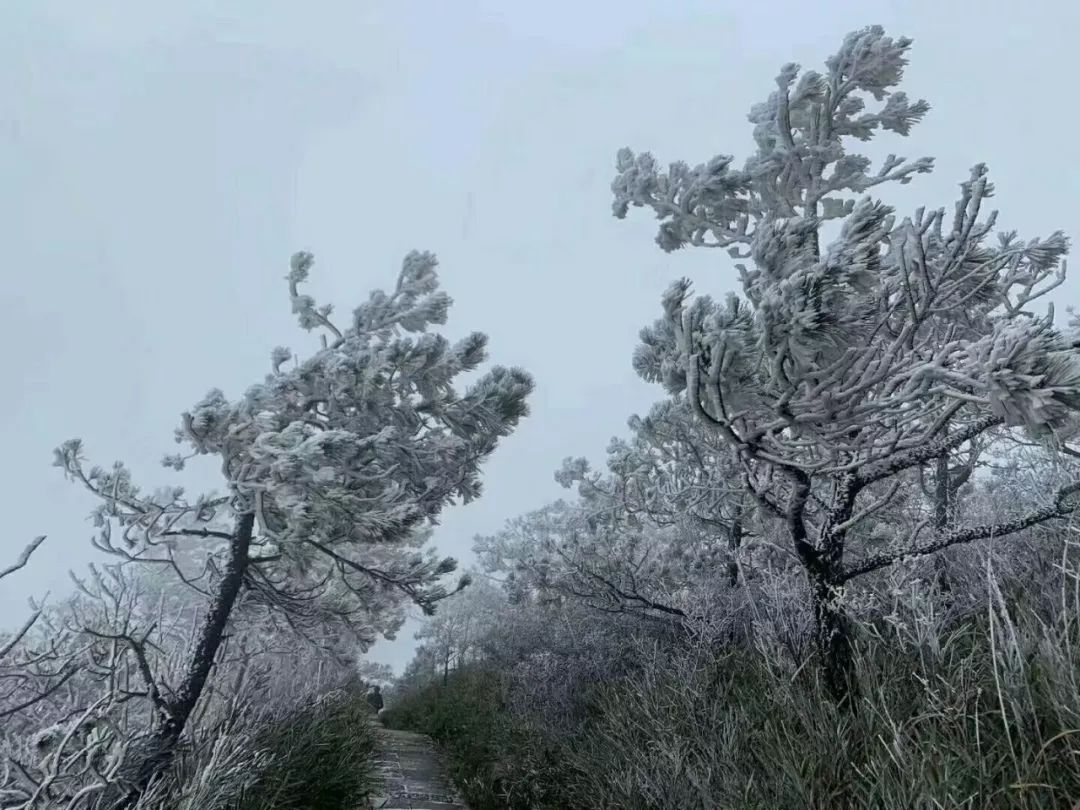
(265, 421)
(279, 356)
(572, 471)
(418, 273)
(833, 208)
(324, 475)
(471, 351)
(299, 266)
(175, 461)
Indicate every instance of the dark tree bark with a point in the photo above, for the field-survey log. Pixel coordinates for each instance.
(947, 483)
(942, 492)
(212, 632)
(824, 565)
(159, 749)
(735, 538)
(832, 639)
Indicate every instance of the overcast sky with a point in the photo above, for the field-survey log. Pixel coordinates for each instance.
(160, 162)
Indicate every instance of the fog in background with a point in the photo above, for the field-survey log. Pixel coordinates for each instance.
(159, 163)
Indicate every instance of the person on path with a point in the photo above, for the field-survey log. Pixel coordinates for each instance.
(375, 699)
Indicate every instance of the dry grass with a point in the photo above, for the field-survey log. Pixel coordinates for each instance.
(970, 711)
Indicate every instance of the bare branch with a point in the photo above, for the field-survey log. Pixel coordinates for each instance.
(906, 459)
(24, 557)
(942, 540)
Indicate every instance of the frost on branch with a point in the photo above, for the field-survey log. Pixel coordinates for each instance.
(643, 535)
(801, 166)
(333, 470)
(863, 343)
(841, 371)
(353, 448)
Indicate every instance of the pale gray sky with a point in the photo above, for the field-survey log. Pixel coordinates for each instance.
(160, 162)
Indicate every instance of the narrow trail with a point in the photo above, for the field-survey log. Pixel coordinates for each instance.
(411, 774)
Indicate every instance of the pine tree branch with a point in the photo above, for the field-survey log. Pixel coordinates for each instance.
(906, 459)
(197, 533)
(954, 537)
(139, 649)
(24, 557)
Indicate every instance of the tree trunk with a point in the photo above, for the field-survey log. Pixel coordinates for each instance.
(735, 538)
(946, 492)
(824, 565)
(159, 749)
(832, 638)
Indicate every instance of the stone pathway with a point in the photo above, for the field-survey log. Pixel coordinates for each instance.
(411, 774)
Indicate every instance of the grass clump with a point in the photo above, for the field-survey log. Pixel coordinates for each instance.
(320, 757)
(980, 716)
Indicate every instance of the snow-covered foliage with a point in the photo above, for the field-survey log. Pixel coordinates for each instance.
(372, 672)
(859, 406)
(343, 457)
(863, 345)
(542, 647)
(96, 670)
(838, 415)
(334, 469)
(841, 369)
(452, 637)
(646, 535)
(12, 679)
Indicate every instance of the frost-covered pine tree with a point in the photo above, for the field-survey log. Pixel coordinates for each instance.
(842, 369)
(451, 637)
(333, 467)
(644, 535)
(671, 475)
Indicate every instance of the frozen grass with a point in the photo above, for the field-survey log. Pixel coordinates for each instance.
(317, 755)
(982, 714)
